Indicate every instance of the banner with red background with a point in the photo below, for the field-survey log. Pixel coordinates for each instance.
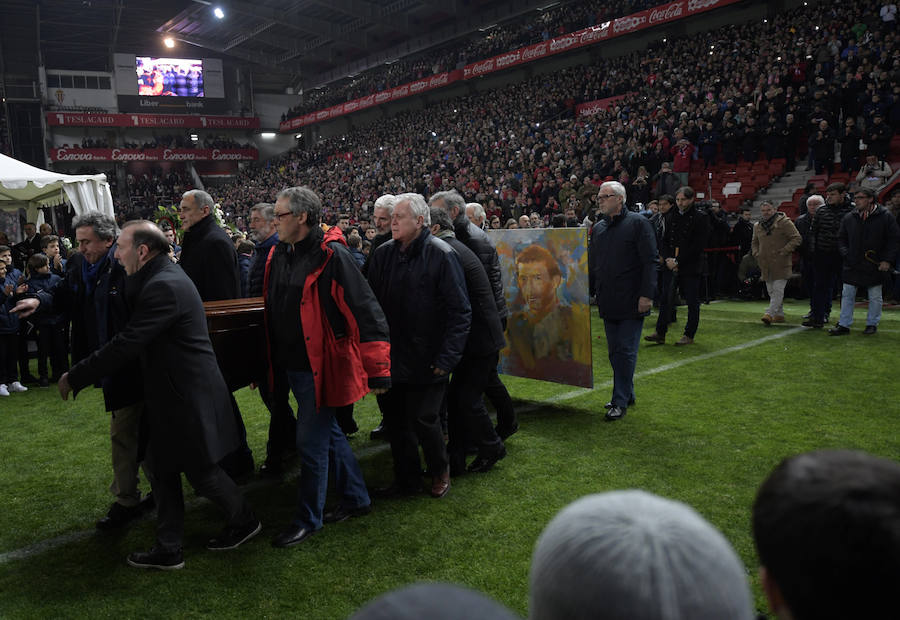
(588, 36)
(174, 121)
(89, 155)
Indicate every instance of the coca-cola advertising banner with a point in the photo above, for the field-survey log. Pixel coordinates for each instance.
(89, 155)
(174, 121)
(624, 25)
(581, 38)
(590, 108)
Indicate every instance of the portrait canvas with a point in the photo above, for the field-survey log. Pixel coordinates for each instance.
(545, 279)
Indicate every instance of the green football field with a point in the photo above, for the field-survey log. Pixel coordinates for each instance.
(711, 421)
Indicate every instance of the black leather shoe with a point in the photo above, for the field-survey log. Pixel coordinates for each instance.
(838, 330)
(157, 558)
(293, 535)
(615, 413)
(484, 463)
(271, 468)
(869, 330)
(379, 433)
(342, 513)
(118, 516)
(148, 503)
(234, 537)
(812, 323)
(505, 432)
(609, 405)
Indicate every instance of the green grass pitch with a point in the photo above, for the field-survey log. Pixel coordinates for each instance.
(711, 421)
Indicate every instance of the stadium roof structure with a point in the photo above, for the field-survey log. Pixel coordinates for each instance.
(287, 43)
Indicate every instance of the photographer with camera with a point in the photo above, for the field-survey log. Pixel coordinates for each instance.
(875, 173)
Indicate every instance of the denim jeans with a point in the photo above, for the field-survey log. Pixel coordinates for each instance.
(622, 339)
(848, 300)
(319, 439)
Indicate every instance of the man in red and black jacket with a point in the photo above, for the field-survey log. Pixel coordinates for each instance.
(326, 330)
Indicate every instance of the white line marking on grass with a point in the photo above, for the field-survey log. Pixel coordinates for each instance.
(665, 367)
(64, 539)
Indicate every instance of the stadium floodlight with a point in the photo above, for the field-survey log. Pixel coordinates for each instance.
(267, 135)
(298, 136)
(218, 12)
(169, 42)
(194, 137)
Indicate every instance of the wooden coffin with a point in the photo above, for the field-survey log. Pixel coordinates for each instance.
(237, 332)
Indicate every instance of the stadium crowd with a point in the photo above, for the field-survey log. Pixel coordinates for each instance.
(515, 154)
(566, 17)
(763, 90)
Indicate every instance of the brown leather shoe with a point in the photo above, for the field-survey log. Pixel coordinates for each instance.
(654, 337)
(440, 484)
(767, 319)
(778, 319)
(684, 340)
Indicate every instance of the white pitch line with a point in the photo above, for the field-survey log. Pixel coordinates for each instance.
(665, 367)
(57, 541)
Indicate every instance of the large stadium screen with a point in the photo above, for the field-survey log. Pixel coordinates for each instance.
(169, 77)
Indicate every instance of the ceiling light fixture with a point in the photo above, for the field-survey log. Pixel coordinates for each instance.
(169, 42)
(218, 12)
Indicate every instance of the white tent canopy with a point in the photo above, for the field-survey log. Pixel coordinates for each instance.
(24, 186)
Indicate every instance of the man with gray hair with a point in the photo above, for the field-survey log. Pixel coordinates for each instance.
(632, 555)
(209, 259)
(381, 217)
(95, 285)
(803, 224)
(623, 270)
(477, 240)
(475, 213)
(282, 425)
(418, 280)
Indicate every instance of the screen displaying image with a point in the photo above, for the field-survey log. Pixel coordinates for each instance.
(169, 77)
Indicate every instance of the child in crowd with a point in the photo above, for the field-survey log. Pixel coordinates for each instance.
(9, 336)
(50, 327)
(50, 247)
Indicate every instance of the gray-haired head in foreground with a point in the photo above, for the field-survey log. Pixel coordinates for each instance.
(417, 204)
(631, 555)
(104, 226)
(477, 210)
(451, 198)
(387, 201)
(303, 200)
(201, 199)
(433, 601)
(266, 210)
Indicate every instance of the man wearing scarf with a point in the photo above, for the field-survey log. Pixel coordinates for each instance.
(868, 240)
(95, 295)
(774, 240)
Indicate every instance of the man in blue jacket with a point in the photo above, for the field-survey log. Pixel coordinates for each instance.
(623, 266)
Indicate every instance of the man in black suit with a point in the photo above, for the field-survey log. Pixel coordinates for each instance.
(189, 421)
(29, 247)
(209, 259)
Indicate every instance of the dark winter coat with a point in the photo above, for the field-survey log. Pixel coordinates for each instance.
(877, 235)
(624, 264)
(423, 293)
(210, 260)
(190, 422)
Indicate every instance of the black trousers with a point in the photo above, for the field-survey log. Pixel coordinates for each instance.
(51, 344)
(500, 399)
(9, 353)
(468, 420)
(411, 414)
(209, 482)
(282, 423)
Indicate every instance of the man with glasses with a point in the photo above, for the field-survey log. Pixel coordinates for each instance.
(623, 268)
(327, 332)
(868, 241)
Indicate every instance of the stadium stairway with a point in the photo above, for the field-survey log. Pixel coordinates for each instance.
(781, 192)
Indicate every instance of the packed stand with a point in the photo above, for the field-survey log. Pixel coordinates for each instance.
(519, 32)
